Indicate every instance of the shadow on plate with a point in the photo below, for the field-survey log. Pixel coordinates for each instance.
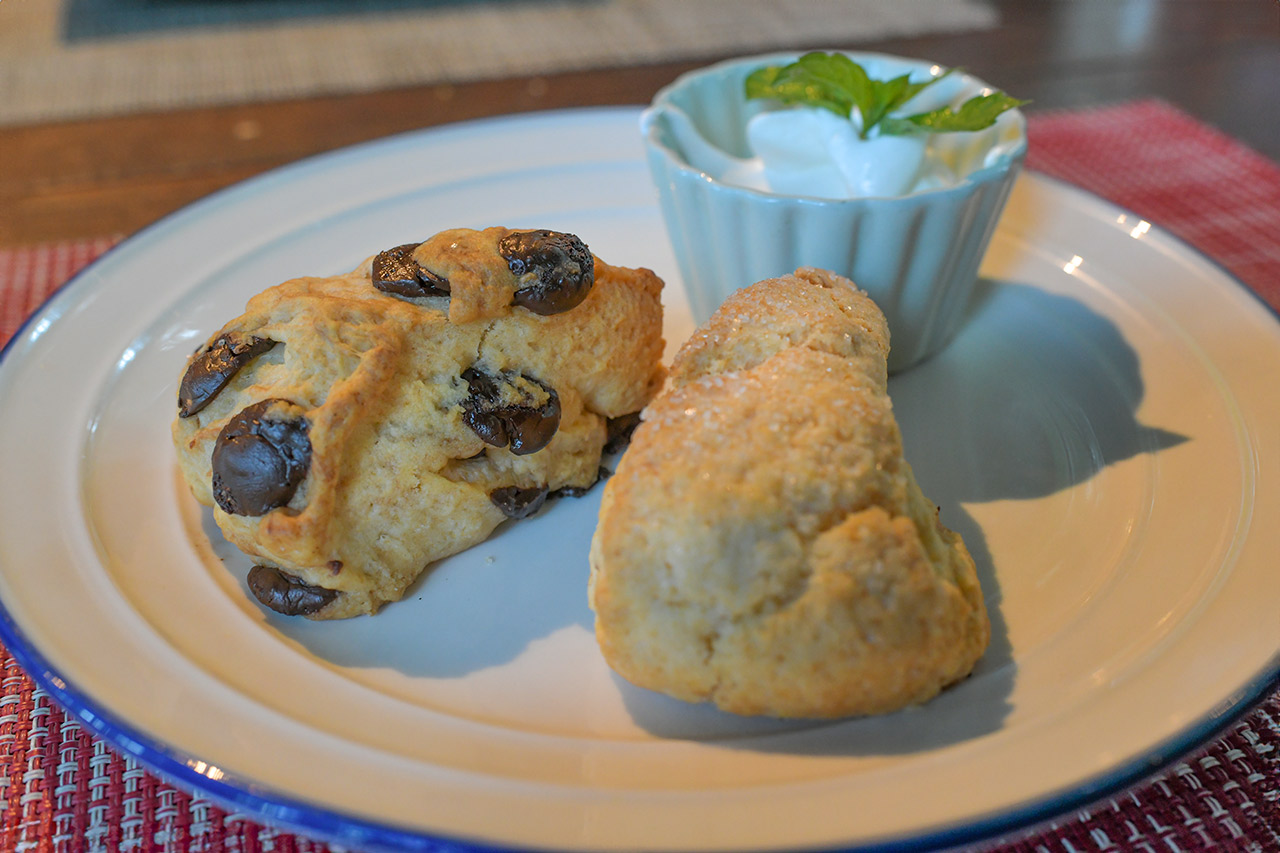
(476, 610)
(1036, 394)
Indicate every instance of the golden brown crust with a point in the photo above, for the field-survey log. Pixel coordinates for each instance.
(397, 478)
(763, 544)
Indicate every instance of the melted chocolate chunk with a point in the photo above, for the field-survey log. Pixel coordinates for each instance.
(505, 411)
(395, 271)
(619, 430)
(214, 366)
(287, 594)
(562, 268)
(516, 502)
(258, 462)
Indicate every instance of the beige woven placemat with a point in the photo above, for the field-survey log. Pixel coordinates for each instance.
(43, 77)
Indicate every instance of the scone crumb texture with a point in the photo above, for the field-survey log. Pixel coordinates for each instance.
(763, 544)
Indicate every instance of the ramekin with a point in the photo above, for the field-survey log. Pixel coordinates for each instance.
(916, 255)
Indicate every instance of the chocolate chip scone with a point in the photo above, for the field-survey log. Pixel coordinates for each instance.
(763, 543)
(349, 431)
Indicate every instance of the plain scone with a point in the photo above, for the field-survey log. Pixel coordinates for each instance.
(397, 414)
(763, 544)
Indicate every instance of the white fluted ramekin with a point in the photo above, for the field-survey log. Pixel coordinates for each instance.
(916, 255)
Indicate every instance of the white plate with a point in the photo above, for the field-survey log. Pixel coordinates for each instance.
(1098, 434)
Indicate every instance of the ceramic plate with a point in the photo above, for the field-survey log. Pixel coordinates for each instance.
(1097, 433)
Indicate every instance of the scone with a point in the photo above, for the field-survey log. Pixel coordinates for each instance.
(349, 431)
(763, 544)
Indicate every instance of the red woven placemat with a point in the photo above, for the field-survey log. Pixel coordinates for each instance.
(1186, 177)
(65, 790)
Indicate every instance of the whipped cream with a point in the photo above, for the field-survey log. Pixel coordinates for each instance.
(812, 152)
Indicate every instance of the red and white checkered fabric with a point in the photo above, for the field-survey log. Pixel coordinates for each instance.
(66, 791)
(1186, 177)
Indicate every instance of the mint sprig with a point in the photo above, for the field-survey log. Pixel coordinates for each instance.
(835, 82)
(977, 113)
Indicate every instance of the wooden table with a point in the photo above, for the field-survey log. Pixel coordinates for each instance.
(1219, 60)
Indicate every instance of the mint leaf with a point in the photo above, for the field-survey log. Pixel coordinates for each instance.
(830, 81)
(914, 89)
(889, 95)
(791, 88)
(977, 113)
(838, 74)
(834, 82)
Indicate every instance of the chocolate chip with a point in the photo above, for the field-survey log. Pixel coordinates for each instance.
(512, 410)
(560, 265)
(287, 594)
(395, 271)
(516, 502)
(260, 458)
(618, 432)
(213, 366)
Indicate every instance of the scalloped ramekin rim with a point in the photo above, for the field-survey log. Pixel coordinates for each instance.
(662, 102)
